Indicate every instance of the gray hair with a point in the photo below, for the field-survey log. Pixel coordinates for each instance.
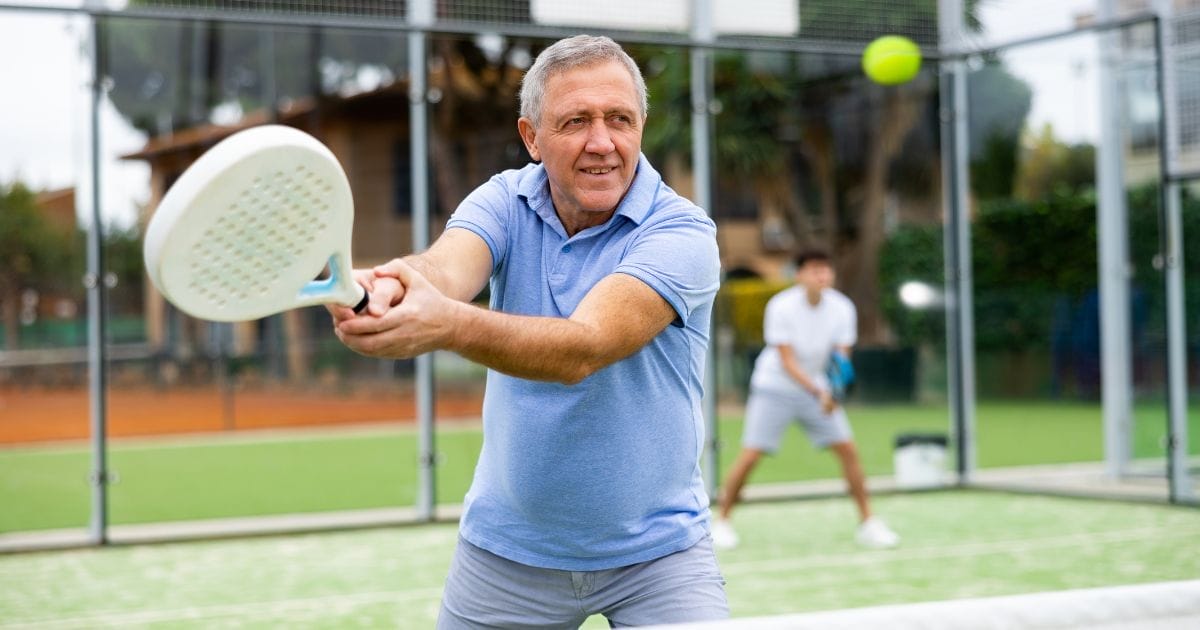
(568, 54)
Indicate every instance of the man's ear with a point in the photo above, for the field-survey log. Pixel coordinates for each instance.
(528, 134)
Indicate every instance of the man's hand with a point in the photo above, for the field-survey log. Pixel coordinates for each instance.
(416, 320)
(827, 402)
(385, 293)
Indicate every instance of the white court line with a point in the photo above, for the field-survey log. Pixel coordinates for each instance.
(270, 608)
(908, 554)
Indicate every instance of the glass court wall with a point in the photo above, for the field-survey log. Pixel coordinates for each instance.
(44, 208)
(1069, 295)
(211, 423)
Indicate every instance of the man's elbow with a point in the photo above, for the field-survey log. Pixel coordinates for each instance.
(585, 361)
(576, 373)
(582, 367)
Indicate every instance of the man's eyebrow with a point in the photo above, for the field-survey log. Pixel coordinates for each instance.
(567, 115)
(587, 111)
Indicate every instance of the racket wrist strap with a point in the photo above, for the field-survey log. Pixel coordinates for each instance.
(362, 304)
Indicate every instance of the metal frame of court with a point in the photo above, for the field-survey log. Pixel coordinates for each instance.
(954, 52)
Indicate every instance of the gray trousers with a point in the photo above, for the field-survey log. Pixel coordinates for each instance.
(484, 590)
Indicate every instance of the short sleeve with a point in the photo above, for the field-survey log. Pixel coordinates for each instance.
(775, 328)
(678, 258)
(485, 212)
(848, 335)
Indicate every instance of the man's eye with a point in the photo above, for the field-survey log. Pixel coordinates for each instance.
(576, 121)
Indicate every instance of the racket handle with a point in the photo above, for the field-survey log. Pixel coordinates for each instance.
(362, 304)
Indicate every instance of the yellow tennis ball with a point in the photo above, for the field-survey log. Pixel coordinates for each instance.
(891, 60)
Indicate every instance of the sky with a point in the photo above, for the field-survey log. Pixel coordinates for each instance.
(1062, 73)
(44, 105)
(45, 138)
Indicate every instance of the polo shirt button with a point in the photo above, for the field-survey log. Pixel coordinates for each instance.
(566, 249)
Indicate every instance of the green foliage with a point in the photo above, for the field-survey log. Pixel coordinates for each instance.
(994, 172)
(1049, 166)
(746, 133)
(747, 142)
(913, 253)
(33, 254)
(1000, 102)
(666, 71)
(1030, 261)
(123, 258)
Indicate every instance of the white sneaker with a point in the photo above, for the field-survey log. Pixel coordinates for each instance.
(723, 535)
(875, 533)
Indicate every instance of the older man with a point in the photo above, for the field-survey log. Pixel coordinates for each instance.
(587, 498)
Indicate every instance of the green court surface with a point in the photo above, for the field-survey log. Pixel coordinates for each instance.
(257, 473)
(796, 556)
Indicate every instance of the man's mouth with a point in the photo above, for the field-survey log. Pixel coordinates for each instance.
(598, 171)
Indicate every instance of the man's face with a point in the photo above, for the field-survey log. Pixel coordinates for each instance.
(589, 139)
(815, 275)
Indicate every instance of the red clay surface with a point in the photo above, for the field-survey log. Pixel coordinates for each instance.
(30, 415)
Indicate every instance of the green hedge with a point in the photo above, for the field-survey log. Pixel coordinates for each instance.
(1030, 261)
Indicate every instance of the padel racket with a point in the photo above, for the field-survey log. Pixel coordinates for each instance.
(246, 228)
(840, 373)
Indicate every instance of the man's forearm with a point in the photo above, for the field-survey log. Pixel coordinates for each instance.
(458, 264)
(617, 317)
(803, 379)
(437, 277)
(537, 348)
(793, 369)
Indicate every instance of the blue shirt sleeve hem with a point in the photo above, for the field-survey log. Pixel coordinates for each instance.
(481, 233)
(674, 299)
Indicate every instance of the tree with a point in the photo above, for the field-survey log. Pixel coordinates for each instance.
(1000, 103)
(1049, 166)
(34, 255)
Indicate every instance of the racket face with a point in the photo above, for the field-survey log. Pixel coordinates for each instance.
(247, 227)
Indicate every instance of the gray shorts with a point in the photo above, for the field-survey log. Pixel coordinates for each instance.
(769, 413)
(484, 590)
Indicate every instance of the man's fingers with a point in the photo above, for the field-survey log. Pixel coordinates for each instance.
(340, 313)
(365, 278)
(390, 318)
(388, 293)
(399, 270)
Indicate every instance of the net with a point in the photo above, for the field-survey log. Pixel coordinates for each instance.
(834, 22)
(1137, 607)
(1183, 42)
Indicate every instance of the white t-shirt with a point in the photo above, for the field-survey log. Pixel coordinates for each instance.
(813, 332)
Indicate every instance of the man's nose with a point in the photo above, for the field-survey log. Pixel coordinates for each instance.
(599, 138)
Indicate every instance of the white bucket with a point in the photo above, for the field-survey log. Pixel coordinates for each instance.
(920, 461)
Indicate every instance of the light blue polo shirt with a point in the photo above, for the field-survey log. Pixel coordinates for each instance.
(604, 473)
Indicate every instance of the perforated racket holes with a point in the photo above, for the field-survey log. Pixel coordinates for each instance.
(260, 235)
